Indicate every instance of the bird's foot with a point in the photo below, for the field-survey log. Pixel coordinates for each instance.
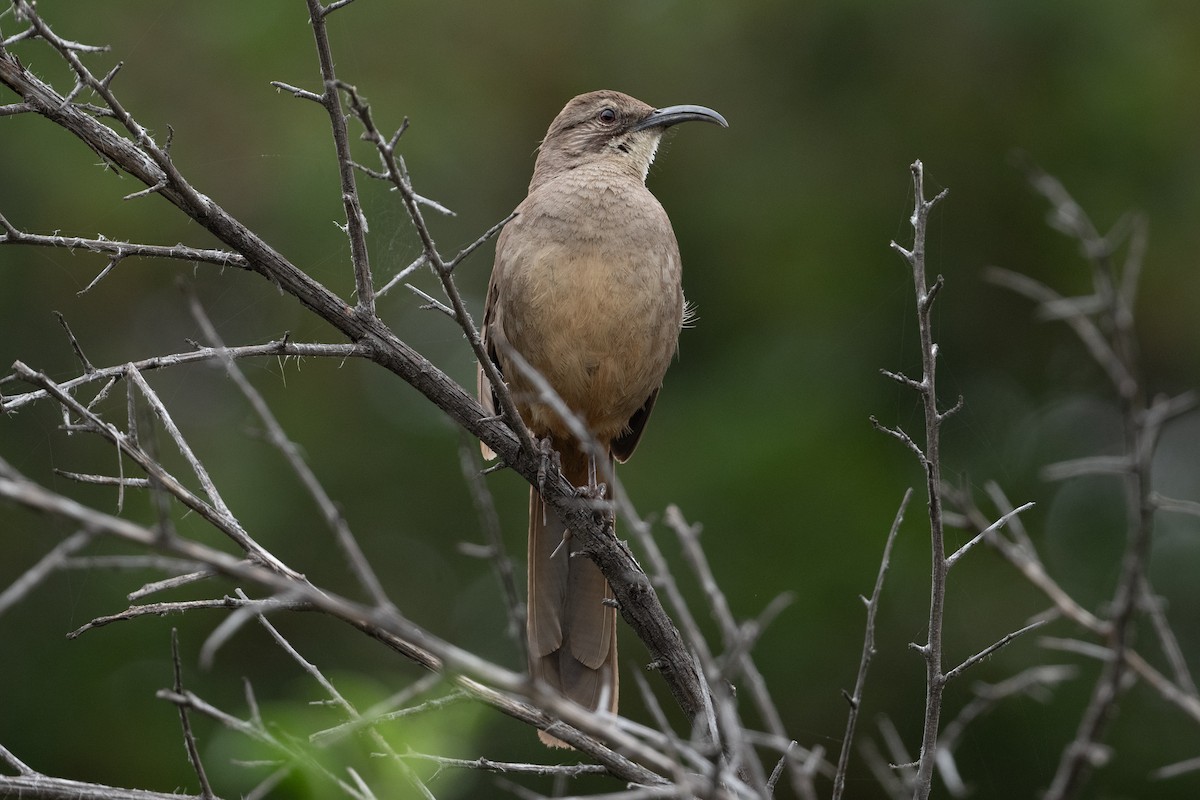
(595, 491)
(549, 462)
(594, 497)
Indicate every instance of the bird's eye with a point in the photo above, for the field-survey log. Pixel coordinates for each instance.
(607, 115)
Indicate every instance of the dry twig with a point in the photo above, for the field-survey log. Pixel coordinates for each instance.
(868, 651)
(930, 458)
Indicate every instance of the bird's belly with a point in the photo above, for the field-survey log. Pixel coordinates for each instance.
(601, 335)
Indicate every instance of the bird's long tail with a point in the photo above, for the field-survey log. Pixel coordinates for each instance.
(572, 632)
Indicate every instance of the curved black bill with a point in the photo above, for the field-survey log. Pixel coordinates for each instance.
(673, 115)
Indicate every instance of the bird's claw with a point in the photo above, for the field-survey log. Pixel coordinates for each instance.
(596, 490)
(549, 462)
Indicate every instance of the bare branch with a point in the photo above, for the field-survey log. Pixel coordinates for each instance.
(329, 9)
(160, 410)
(986, 652)
(737, 640)
(193, 576)
(487, 765)
(1035, 682)
(475, 675)
(1154, 608)
(284, 747)
(868, 651)
(20, 766)
(83, 359)
(1176, 769)
(1087, 331)
(497, 554)
(1023, 556)
(431, 302)
(119, 250)
(35, 575)
(898, 433)
(356, 219)
(885, 774)
(1091, 465)
(37, 786)
(1111, 341)
(303, 94)
(189, 739)
(149, 190)
(359, 566)
(104, 480)
(347, 708)
(387, 710)
(282, 348)
(182, 607)
(904, 380)
(483, 239)
(930, 458)
(960, 552)
(398, 176)
(420, 261)
(725, 724)
(28, 33)
(671, 743)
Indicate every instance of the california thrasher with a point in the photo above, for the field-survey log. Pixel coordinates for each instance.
(586, 288)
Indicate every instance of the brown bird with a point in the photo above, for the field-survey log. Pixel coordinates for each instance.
(586, 288)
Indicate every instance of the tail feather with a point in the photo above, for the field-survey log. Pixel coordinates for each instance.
(571, 630)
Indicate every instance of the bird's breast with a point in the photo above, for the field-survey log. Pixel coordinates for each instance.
(593, 299)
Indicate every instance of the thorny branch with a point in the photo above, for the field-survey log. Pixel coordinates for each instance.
(396, 173)
(471, 673)
(282, 348)
(655, 762)
(1023, 556)
(855, 699)
(121, 250)
(189, 738)
(1104, 323)
(138, 154)
(133, 149)
(1036, 682)
(930, 457)
(333, 516)
(356, 219)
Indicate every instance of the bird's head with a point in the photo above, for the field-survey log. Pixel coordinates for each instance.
(611, 128)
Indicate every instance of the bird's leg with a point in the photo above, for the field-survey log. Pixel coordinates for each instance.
(594, 491)
(598, 488)
(548, 460)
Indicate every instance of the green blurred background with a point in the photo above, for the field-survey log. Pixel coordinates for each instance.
(762, 432)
